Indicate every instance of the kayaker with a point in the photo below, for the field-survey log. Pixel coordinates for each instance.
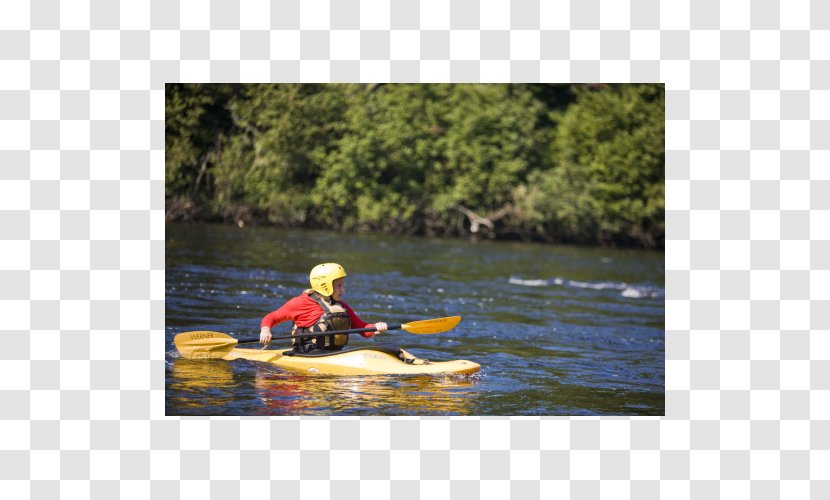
(319, 309)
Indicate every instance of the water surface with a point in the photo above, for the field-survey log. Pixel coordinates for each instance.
(558, 330)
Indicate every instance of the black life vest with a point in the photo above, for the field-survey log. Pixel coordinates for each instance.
(334, 317)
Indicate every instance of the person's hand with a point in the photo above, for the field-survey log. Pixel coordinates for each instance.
(380, 327)
(265, 335)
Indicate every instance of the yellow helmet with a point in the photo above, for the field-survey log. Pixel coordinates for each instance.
(323, 275)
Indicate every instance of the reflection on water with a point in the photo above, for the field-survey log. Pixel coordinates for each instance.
(197, 387)
(557, 330)
(284, 394)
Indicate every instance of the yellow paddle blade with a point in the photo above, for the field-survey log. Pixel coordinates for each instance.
(204, 345)
(437, 325)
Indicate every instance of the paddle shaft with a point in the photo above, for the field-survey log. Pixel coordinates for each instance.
(251, 340)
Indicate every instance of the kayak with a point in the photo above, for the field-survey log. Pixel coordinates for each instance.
(355, 361)
(369, 360)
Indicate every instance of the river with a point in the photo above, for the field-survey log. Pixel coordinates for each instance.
(558, 330)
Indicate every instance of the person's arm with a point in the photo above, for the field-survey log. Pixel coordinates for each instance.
(359, 323)
(272, 319)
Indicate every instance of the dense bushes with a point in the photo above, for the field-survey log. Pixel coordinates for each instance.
(548, 162)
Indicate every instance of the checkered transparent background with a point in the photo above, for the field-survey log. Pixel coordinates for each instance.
(82, 245)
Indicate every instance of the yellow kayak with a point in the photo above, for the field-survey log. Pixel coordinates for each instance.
(368, 360)
(355, 361)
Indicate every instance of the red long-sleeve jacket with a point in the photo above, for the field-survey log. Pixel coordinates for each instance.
(303, 311)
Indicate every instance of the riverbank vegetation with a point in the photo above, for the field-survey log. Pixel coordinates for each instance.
(555, 163)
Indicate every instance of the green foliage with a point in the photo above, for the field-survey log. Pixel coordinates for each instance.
(375, 174)
(605, 183)
(196, 124)
(550, 162)
(283, 131)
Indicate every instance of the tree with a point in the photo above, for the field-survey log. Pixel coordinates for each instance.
(551, 162)
(606, 180)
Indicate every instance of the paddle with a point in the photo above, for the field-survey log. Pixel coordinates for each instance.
(213, 345)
